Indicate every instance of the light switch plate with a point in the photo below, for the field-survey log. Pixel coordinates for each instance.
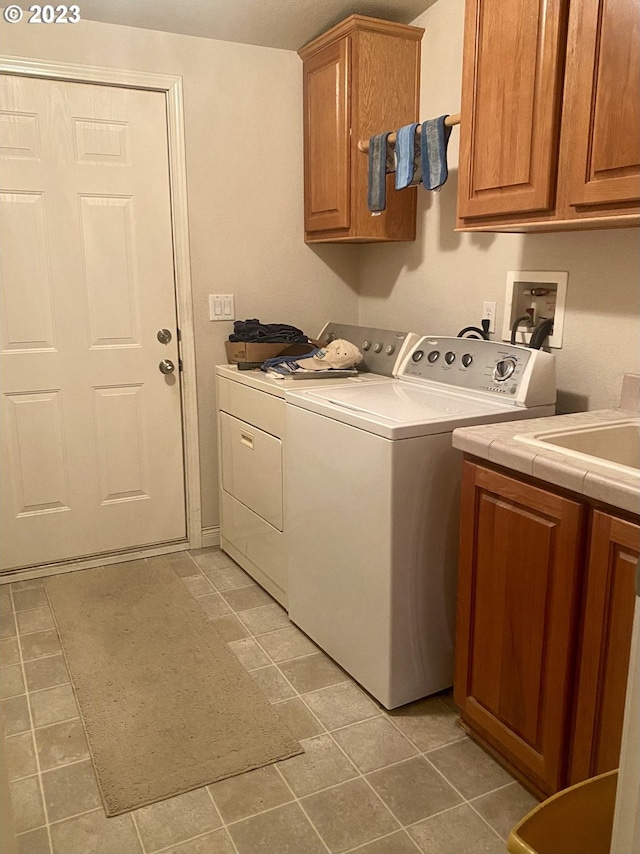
(222, 307)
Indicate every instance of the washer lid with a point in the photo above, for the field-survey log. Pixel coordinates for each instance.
(400, 410)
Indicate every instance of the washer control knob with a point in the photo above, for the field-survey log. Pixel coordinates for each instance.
(417, 356)
(390, 349)
(503, 369)
(433, 356)
(449, 357)
(467, 359)
(366, 345)
(377, 348)
(331, 336)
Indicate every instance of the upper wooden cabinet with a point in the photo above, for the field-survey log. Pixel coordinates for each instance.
(602, 104)
(361, 77)
(550, 116)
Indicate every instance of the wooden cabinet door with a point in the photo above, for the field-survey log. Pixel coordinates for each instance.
(602, 103)
(511, 92)
(327, 147)
(516, 620)
(606, 646)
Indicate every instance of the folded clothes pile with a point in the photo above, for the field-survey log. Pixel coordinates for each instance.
(338, 355)
(266, 333)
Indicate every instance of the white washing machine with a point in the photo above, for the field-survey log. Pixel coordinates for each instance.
(252, 448)
(372, 484)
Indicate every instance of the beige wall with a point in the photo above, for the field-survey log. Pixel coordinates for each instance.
(243, 125)
(243, 116)
(439, 283)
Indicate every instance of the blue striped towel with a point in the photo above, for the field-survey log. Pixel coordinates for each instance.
(380, 163)
(433, 145)
(408, 169)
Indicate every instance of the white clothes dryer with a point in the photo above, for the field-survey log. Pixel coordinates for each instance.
(372, 484)
(252, 448)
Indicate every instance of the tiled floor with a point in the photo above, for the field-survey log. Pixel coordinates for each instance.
(369, 781)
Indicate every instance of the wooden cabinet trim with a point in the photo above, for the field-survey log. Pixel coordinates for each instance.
(511, 487)
(537, 225)
(359, 22)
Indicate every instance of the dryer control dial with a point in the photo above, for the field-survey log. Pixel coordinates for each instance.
(390, 349)
(503, 369)
(377, 348)
(366, 345)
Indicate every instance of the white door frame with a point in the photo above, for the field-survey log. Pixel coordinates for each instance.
(171, 86)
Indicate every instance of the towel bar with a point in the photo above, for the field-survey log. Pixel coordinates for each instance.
(450, 121)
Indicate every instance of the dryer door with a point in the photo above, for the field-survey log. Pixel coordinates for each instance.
(252, 468)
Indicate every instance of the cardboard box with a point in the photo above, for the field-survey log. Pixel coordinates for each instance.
(242, 351)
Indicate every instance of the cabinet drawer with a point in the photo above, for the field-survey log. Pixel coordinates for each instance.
(252, 468)
(255, 545)
(253, 406)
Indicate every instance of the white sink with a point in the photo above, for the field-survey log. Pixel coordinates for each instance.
(612, 444)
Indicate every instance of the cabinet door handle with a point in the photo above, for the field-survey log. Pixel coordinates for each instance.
(246, 439)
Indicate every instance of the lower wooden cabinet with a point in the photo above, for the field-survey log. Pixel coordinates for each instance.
(543, 627)
(606, 645)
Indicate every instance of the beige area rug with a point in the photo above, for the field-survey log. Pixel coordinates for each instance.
(165, 704)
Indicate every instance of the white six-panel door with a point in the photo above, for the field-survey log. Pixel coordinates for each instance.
(92, 452)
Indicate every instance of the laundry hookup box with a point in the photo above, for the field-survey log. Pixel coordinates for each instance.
(246, 351)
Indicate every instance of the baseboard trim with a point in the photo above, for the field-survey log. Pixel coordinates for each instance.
(12, 575)
(211, 536)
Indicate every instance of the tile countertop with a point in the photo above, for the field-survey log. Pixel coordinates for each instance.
(496, 443)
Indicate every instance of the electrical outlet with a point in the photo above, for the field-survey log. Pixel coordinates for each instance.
(489, 313)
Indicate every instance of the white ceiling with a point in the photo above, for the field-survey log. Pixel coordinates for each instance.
(273, 23)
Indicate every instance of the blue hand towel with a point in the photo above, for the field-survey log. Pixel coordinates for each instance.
(433, 144)
(379, 165)
(407, 157)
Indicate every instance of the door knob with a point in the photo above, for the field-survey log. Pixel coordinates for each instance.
(164, 336)
(166, 366)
